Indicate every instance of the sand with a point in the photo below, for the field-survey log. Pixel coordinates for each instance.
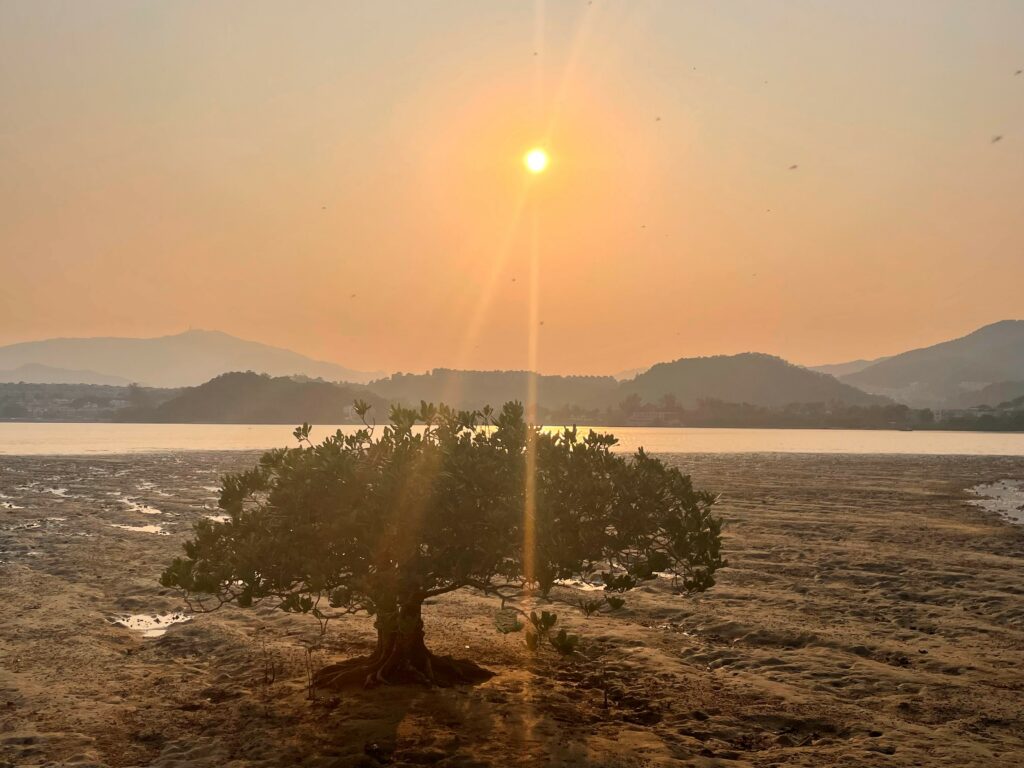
(872, 614)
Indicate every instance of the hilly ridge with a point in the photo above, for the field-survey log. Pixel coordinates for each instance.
(940, 375)
(750, 377)
(253, 398)
(180, 360)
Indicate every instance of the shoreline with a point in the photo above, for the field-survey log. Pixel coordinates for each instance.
(295, 422)
(256, 452)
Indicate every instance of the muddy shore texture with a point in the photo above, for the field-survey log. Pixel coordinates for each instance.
(870, 615)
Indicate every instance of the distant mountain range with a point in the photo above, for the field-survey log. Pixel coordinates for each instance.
(946, 375)
(185, 359)
(844, 369)
(984, 368)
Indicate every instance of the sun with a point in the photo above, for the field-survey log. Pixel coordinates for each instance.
(536, 160)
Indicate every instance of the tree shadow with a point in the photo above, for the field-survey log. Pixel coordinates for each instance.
(516, 718)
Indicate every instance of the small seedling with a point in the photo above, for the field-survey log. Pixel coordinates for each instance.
(507, 621)
(309, 663)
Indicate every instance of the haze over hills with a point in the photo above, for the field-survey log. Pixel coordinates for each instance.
(184, 359)
(992, 395)
(631, 373)
(37, 373)
(844, 369)
(751, 377)
(942, 374)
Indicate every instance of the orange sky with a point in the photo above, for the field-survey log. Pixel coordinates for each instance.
(250, 166)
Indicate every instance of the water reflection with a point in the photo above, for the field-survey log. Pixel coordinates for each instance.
(76, 439)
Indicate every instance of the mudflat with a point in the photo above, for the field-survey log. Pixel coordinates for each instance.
(872, 614)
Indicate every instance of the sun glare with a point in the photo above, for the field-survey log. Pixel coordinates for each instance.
(536, 160)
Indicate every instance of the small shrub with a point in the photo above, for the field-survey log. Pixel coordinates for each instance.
(540, 627)
(615, 603)
(589, 607)
(310, 666)
(564, 643)
(618, 582)
(544, 622)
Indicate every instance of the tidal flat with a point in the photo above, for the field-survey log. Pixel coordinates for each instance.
(871, 614)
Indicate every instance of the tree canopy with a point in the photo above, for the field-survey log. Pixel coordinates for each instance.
(381, 519)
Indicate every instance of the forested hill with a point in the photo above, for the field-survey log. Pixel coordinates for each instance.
(757, 380)
(475, 389)
(753, 378)
(253, 398)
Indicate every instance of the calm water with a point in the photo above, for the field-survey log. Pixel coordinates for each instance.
(75, 439)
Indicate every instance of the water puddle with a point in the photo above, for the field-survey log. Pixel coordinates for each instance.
(138, 506)
(157, 529)
(9, 505)
(9, 555)
(1004, 497)
(48, 523)
(150, 624)
(583, 586)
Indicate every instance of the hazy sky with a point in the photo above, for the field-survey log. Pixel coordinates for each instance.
(250, 166)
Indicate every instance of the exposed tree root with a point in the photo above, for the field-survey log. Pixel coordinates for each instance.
(401, 658)
(421, 668)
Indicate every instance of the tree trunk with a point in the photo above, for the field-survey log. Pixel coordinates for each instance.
(401, 657)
